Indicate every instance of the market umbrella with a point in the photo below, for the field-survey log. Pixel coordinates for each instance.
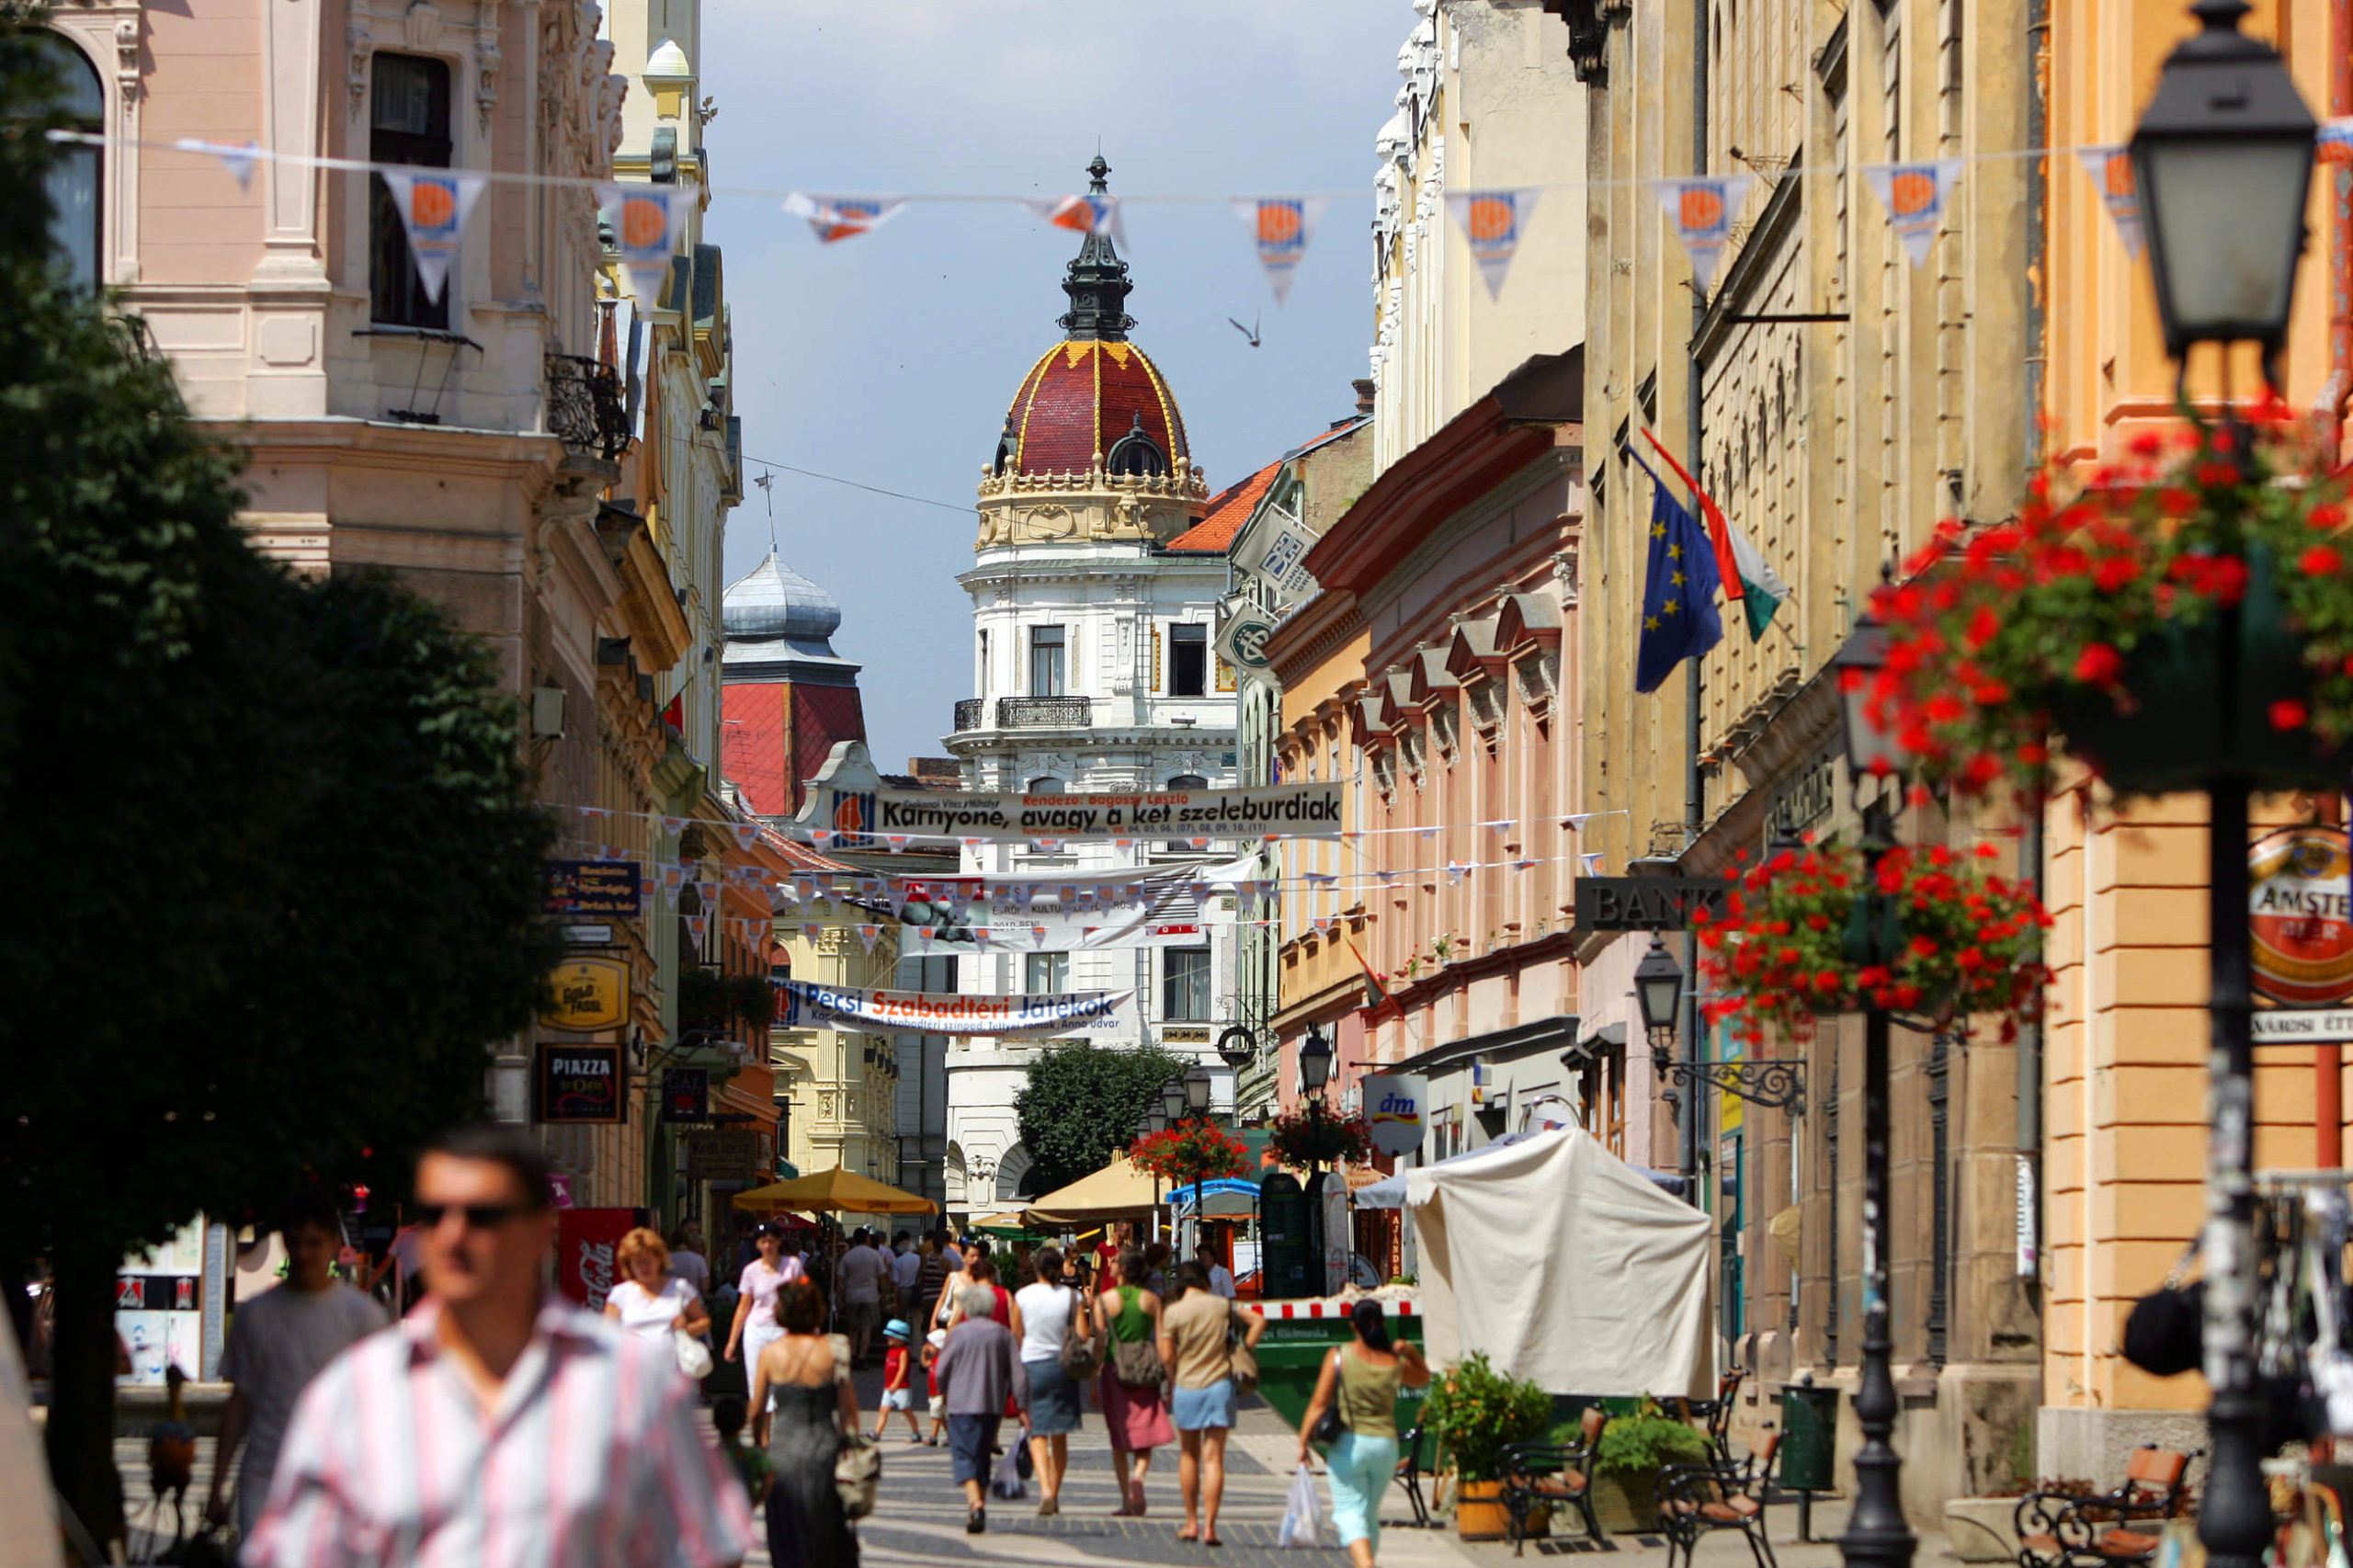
(836, 1190)
(1118, 1191)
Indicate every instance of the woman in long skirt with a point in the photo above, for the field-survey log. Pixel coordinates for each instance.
(1135, 1416)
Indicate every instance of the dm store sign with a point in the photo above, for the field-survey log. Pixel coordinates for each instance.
(1397, 1110)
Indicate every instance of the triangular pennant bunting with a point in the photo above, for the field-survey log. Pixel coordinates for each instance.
(1915, 196)
(1089, 214)
(1493, 222)
(2111, 172)
(433, 204)
(1590, 864)
(645, 219)
(1280, 227)
(239, 160)
(834, 218)
(1700, 212)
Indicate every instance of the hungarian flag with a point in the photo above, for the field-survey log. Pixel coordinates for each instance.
(1740, 564)
(1377, 998)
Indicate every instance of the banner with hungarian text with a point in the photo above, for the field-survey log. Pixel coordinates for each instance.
(801, 1005)
(865, 819)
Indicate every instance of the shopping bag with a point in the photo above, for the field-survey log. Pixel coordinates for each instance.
(1007, 1482)
(1303, 1520)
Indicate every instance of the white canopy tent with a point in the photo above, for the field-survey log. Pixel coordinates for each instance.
(1566, 1265)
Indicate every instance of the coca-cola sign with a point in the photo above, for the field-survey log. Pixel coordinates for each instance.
(587, 1240)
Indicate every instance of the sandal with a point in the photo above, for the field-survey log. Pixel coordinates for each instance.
(976, 1522)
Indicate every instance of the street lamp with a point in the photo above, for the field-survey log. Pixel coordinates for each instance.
(1314, 1072)
(2222, 158)
(1876, 1535)
(1197, 1085)
(1172, 1101)
(1315, 1060)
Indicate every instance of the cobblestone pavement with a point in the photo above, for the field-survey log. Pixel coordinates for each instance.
(920, 1517)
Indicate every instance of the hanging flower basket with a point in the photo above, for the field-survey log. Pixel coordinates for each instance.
(1188, 1151)
(2167, 623)
(1302, 1138)
(1784, 950)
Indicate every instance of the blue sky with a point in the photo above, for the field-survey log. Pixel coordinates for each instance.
(890, 359)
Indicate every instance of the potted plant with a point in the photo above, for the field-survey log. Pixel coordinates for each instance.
(1303, 1137)
(1476, 1411)
(1965, 941)
(1189, 1152)
(2185, 612)
(1627, 1459)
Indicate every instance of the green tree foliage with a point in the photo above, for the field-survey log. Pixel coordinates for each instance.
(271, 841)
(1079, 1106)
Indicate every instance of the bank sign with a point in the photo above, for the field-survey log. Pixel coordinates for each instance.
(1396, 1109)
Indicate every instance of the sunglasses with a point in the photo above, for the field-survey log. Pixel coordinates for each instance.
(478, 1216)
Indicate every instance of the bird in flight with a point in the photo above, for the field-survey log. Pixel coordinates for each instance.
(1250, 331)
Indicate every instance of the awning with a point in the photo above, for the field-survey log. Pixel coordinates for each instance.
(1118, 1191)
(836, 1191)
(1228, 1198)
(1390, 1192)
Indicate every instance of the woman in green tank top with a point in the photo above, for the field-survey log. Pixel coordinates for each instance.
(1135, 1416)
(1361, 1379)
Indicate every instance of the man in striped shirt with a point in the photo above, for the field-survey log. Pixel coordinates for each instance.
(498, 1424)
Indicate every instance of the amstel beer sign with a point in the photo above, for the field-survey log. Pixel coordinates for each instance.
(2300, 911)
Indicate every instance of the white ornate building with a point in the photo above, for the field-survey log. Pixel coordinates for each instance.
(1098, 571)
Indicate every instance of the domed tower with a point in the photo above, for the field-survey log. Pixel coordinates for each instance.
(1095, 584)
(786, 695)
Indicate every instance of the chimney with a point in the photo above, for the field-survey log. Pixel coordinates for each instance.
(1364, 396)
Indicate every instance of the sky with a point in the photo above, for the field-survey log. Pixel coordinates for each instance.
(890, 359)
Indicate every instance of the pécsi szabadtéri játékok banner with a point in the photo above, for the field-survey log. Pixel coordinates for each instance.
(857, 818)
(801, 1005)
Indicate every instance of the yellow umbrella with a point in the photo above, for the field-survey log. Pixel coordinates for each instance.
(836, 1190)
(1118, 1191)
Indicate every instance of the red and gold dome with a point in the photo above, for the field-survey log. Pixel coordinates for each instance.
(1086, 399)
(1095, 394)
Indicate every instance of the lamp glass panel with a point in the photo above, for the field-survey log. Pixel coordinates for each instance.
(2229, 217)
(1871, 750)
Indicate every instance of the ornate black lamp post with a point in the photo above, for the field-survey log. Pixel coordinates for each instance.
(1196, 1086)
(1658, 990)
(1876, 1535)
(2223, 159)
(1314, 1072)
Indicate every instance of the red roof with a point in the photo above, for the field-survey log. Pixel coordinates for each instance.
(1229, 509)
(1080, 398)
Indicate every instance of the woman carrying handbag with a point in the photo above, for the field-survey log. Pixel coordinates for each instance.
(1050, 1312)
(1354, 1413)
(1128, 1317)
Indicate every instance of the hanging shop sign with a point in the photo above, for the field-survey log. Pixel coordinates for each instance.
(722, 1157)
(582, 1083)
(1647, 903)
(592, 887)
(2300, 914)
(801, 1005)
(685, 1094)
(853, 819)
(1396, 1109)
(586, 995)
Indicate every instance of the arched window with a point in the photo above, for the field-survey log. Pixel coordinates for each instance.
(409, 123)
(1136, 453)
(1049, 784)
(77, 170)
(1188, 781)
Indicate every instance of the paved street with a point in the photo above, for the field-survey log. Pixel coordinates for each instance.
(921, 1517)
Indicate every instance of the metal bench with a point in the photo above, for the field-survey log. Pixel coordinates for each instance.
(1723, 1494)
(1540, 1475)
(2108, 1529)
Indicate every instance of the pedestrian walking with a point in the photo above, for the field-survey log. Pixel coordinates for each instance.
(804, 1408)
(958, 1281)
(932, 1270)
(1128, 1317)
(1361, 1379)
(1155, 1271)
(756, 1327)
(1050, 1312)
(686, 1259)
(277, 1342)
(934, 1342)
(862, 1277)
(497, 1423)
(1197, 1335)
(906, 1275)
(651, 1303)
(979, 1376)
(898, 1381)
(753, 1467)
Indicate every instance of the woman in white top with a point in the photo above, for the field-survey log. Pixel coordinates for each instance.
(756, 1327)
(650, 1302)
(1048, 1310)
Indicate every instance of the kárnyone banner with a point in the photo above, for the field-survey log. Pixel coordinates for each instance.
(801, 1005)
(857, 819)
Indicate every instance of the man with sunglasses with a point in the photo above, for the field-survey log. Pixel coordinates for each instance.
(497, 1423)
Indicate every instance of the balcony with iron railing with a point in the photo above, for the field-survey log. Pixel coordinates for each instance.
(1025, 713)
(586, 410)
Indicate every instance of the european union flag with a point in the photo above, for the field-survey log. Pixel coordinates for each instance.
(1679, 619)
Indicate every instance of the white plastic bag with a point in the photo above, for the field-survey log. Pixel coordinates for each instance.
(1007, 1482)
(1302, 1515)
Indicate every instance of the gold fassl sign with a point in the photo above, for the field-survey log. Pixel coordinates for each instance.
(586, 995)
